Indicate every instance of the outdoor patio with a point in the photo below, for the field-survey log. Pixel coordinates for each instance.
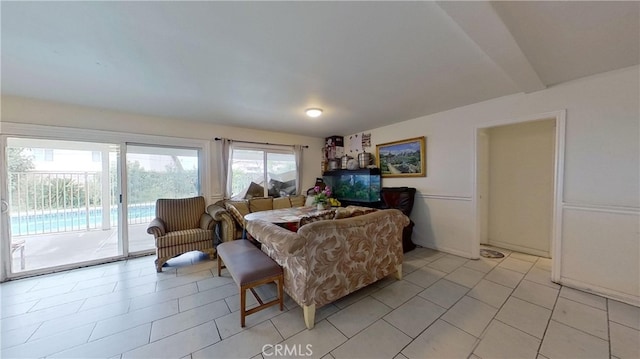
(51, 250)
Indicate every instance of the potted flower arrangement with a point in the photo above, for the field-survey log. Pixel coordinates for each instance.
(321, 197)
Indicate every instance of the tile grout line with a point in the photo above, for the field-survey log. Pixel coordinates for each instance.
(432, 323)
(78, 345)
(544, 334)
(622, 324)
(411, 339)
(481, 337)
(365, 328)
(484, 331)
(581, 330)
(589, 305)
(608, 327)
(478, 339)
(530, 302)
(30, 336)
(441, 315)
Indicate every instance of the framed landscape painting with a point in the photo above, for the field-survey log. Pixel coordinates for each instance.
(404, 158)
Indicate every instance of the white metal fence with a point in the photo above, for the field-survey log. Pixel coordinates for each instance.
(52, 202)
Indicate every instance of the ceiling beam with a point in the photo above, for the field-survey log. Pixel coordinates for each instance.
(483, 25)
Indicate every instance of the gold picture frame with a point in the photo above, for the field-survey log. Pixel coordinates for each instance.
(406, 158)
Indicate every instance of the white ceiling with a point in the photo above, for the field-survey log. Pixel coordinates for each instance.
(260, 64)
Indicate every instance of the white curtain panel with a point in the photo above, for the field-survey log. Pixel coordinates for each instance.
(297, 151)
(225, 169)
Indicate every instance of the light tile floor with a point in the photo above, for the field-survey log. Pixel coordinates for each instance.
(445, 307)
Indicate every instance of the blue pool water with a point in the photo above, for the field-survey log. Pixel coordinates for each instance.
(75, 219)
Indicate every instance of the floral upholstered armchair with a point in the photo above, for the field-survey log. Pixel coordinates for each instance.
(181, 225)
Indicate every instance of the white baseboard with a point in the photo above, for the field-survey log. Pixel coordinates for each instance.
(522, 249)
(448, 250)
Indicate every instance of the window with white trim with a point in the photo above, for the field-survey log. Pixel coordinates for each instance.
(257, 172)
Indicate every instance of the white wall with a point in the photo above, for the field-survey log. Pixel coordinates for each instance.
(601, 177)
(600, 216)
(29, 111)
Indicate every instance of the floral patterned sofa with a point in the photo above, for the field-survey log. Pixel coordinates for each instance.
(230, 213)
(328, 259)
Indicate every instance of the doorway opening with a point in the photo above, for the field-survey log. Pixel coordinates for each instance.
(518, 185)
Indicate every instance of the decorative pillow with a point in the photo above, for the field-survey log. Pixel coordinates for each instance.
(281, 202)
(238, 210)
(320, 216)
(359, 211)
(297, 201)
(261, 204)
(352, 211)
(254, 190)
(342, 213)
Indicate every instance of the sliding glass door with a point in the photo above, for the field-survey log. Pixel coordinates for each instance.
(156, 172)
(61, 201)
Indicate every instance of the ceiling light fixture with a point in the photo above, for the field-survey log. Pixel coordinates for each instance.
(313, 112)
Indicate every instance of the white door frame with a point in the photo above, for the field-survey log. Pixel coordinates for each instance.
(5, 227)
(558, 184)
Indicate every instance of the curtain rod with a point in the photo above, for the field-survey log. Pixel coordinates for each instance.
(262, 143)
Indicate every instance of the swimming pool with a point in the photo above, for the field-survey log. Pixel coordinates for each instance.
(78, 219)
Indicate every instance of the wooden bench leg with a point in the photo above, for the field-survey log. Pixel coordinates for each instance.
(244, 277)
(220, 266)
(281, 291)
(243, 305)
(279, 280)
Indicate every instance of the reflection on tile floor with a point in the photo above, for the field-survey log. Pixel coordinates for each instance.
(445, 307)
